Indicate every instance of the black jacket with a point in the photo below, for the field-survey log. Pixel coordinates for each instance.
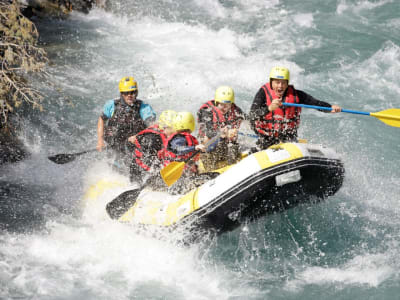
(259, 108)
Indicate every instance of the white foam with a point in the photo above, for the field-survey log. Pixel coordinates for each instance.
(304, 20)
(359, 6)
(368, 269)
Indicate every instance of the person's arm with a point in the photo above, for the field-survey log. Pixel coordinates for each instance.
(147, 114)
(108, 110)
(258, 109)
(179, 146)
(100, 134)
(305, 98)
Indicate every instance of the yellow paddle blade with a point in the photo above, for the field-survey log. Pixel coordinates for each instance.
(390, 116)
(172, 172)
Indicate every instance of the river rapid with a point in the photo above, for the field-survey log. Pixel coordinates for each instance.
(347, 247)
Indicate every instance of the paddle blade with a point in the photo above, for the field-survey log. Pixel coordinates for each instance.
(172, 172)
(66, 158)
(62, 158)
(120, 205)
(390, 116)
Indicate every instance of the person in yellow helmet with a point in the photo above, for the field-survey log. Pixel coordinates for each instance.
(274, 122)
(123, 118)
(220, 115)
(182, 143)
(179, 145)
(148, 144)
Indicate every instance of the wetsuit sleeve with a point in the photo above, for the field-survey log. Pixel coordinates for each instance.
(108, 110)
(147, 113)
(179, 146)
(258, 109)
(305, 98)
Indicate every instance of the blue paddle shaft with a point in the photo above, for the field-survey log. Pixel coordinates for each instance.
(248, 134)
(327, 108)
(315, 107)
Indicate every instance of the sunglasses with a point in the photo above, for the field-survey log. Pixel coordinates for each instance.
(128, 93)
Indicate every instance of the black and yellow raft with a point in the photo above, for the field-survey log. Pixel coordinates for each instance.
(271, 180)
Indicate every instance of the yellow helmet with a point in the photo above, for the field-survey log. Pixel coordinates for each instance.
(166, 119)
(279, 73)
(184, 120)
(128, 84)
(224, 94)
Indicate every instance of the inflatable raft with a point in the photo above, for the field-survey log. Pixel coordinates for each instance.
(271, 180)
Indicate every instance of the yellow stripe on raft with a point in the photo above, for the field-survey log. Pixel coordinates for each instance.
(265, 162)
(161, 212)
(97, 189)
(181, 208)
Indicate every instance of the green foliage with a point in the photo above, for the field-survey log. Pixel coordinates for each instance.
(19, 55)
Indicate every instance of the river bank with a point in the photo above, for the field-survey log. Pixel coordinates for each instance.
(22, 56)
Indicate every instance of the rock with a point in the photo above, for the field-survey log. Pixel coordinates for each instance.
(57, 8)
(11, 148)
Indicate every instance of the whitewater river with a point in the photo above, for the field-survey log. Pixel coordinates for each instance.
(347, 247)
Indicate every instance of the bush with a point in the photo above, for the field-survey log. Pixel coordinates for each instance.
(19, 55)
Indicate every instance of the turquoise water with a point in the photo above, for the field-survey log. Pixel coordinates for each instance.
(342, 52)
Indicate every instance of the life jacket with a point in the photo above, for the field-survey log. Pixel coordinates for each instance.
(284, 120)
(232, 118)
(168, 156)
(138, 151)
(124, 122)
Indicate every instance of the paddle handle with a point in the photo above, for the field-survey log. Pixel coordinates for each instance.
(248, 134)
(83, 152)
(326, 108)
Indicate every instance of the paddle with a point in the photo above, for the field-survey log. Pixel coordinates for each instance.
(173, 171)
(64, 158)
(390, 116)
(119, 205)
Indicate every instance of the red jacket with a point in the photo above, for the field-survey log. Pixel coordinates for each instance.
(167, 155)
(232, 118)
(282, 119)
(139, 152)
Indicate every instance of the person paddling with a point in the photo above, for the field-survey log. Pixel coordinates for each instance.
(123, 118)
(179, 147)
(220, 115)
(274, 122)
(182, 144)
(148, 143)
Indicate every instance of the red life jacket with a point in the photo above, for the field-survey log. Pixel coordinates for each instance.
(138, 152)
(285, 119)
(235, 116)
(168, 156)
